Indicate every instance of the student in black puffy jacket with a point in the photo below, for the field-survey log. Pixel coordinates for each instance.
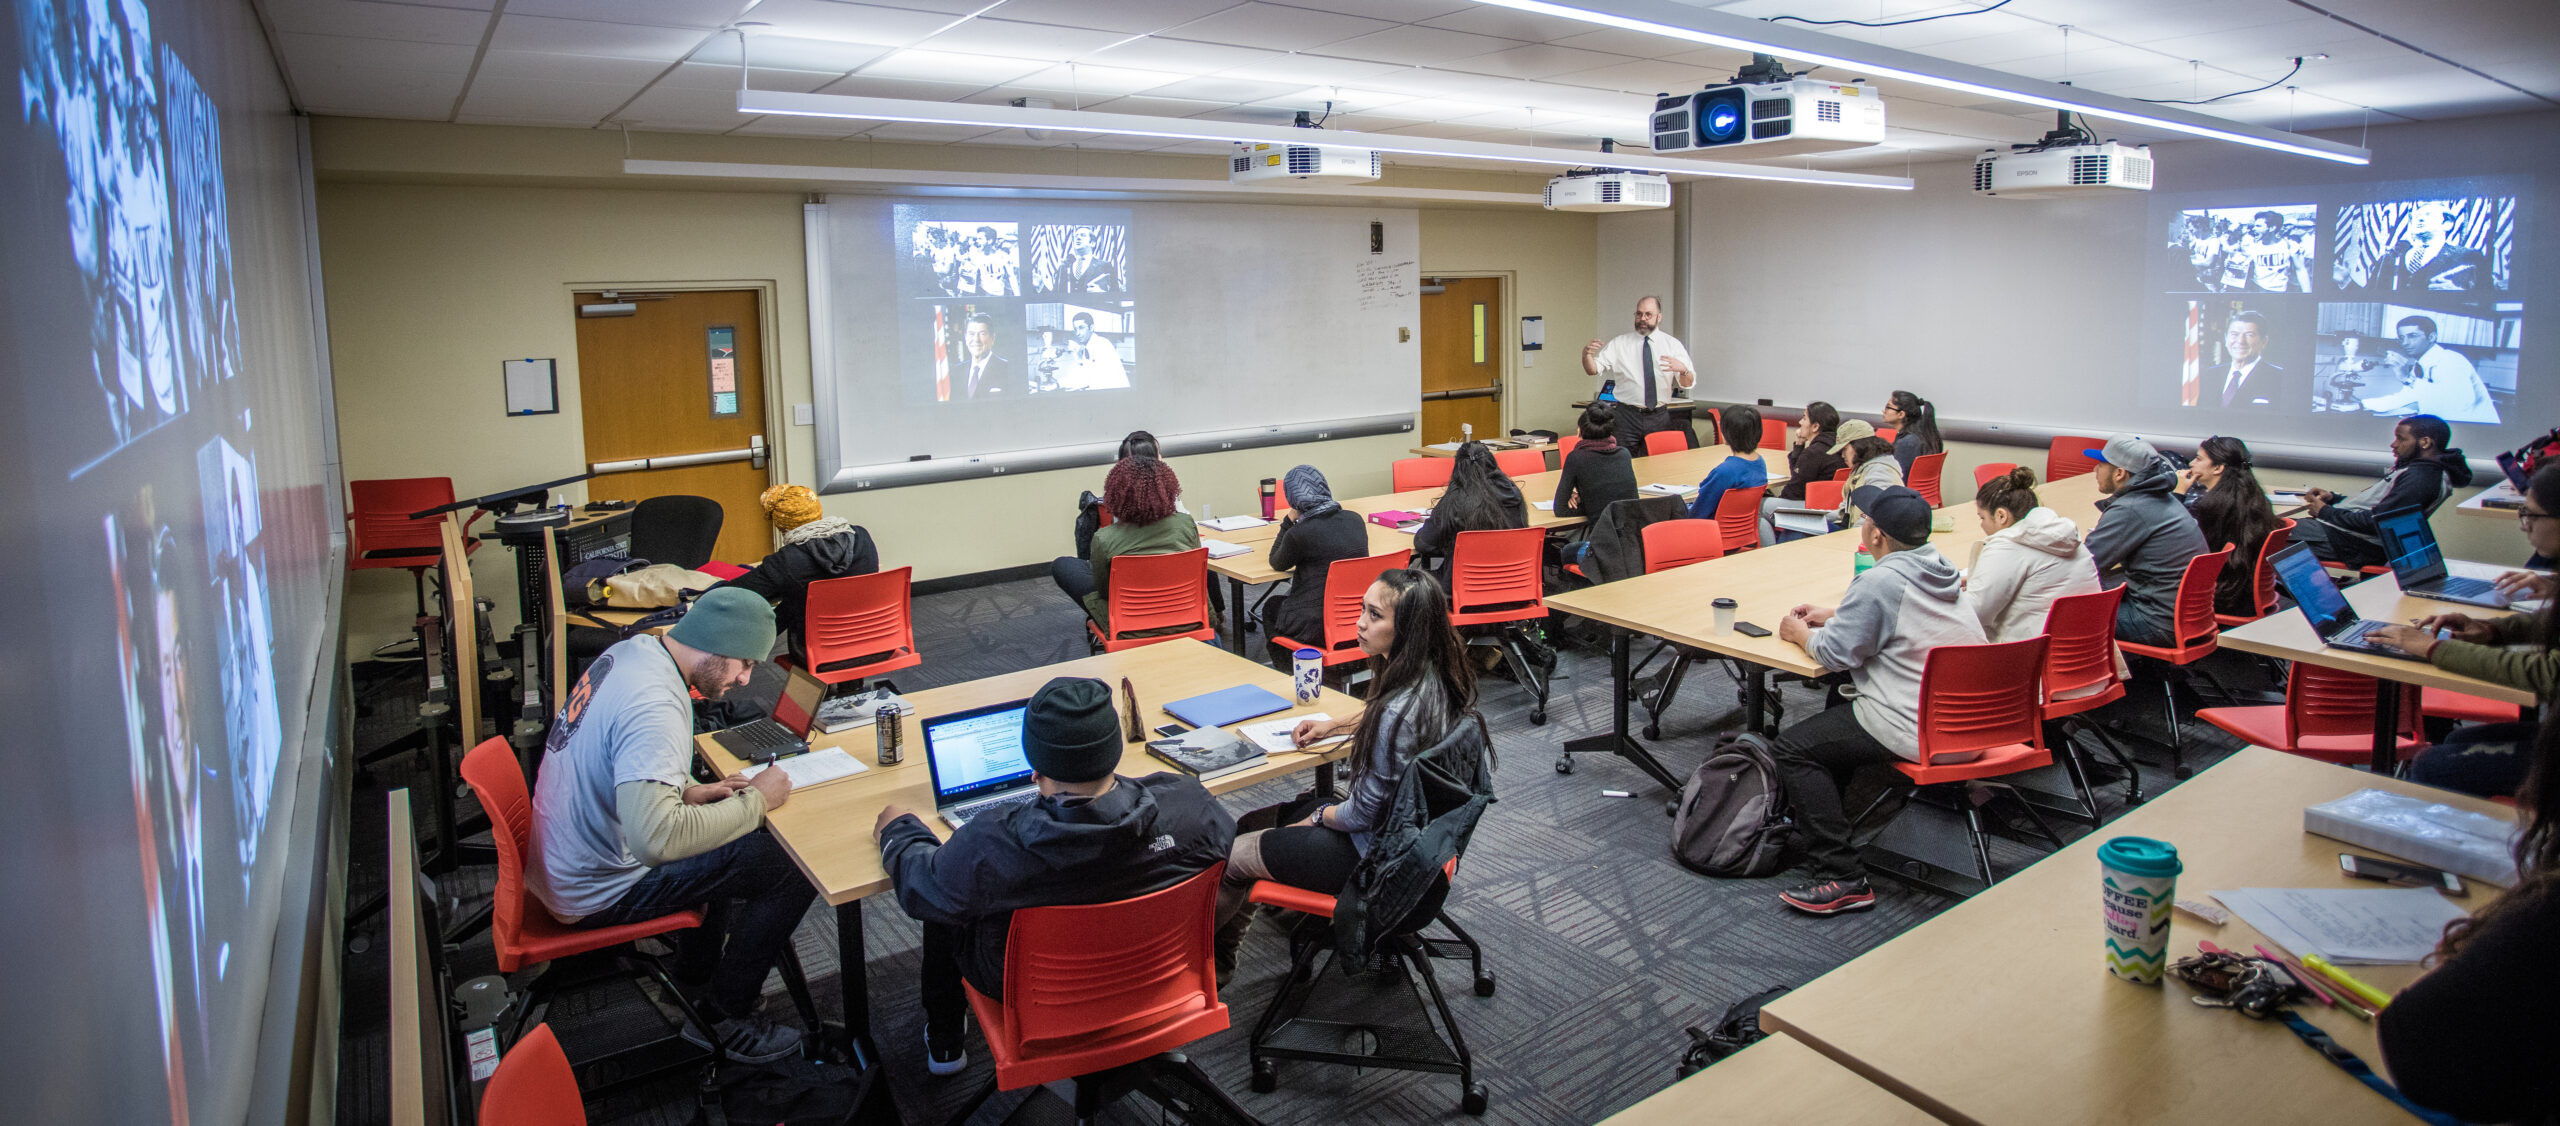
(1319, 532)
(1480, 497)
(814, 546)
(2423, 475)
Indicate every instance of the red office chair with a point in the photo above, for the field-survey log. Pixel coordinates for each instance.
(1823, 496)
(2445, 703)
(2262, 579)
(1413, 474)
(1669, 544)
(1984, 702)
(1842, 476)
(1983, 473)
(2192, 623)
(1520, 463)
(1666, 442)
(858, 626)
(2080, 676)
(1888, 434)
(1923, 478)
(2064, 458)
(1564, 448)
(381, 536)
(1346, 582)
(1738, 518)
(533, 1086)
(1156, 598)
(1495, 579)
(1773, 434)
(2327, 714)
(1096, 987)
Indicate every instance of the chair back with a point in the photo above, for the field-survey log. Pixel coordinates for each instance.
(1773, 434)
(1416, 841)
(2065, 458)
(1842, 476)
(1983, 473)
(1346, 582)
(1824, 495)
(2080, 641)
(378, 519)
(1678, 543)
(1412, 474)
(858, 620)
(1888, 433)
(1923, 478)
(1160, 592)
(2324, 701)
(1738, 518)
(676, 529)
(1976, 697)
(1666, 441)
(498, 781)
(2262, 580)
(1112, 978)
(2194, 620)
(1564, 448)
(1493, 574)
(1519, 463)
(533, 1085)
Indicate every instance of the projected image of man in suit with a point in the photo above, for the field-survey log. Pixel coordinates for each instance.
(990, 375)
(2250, 381)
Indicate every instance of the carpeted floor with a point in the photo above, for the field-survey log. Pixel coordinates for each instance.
(1604, 947)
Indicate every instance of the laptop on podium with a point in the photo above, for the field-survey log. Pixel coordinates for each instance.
(2318, 597)
(2410, 543)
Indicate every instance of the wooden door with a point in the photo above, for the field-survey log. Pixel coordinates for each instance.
(649, 388)
(1462, 342)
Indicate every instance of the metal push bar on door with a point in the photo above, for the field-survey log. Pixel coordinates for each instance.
(755, 452)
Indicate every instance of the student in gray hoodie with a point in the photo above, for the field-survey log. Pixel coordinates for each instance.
(1904, 606)
(2144, 538)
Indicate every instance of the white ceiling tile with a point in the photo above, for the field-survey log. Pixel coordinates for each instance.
(1650, 77)
(409, 94)
(685, 107)
(877, 86)
(1088, 82)
(365, 19)
(700, 14)
(589, 37)
(927, 65)
(1417, 46)
(1223, 89)
(713, 76)
(1106, 143)
(1126, 18)
(1308, 70)
(948, 8)
(340, 57)
(1537, 60)
(847, 23)
(790, 53)
(1159, 107)
(1633, 44)
(1012, 39)
(781, 126)
(1152, 53)
(582, 102)
(549, 67)
(1275, 27)
(1398, 11)
(927, 134)
(1527, 27)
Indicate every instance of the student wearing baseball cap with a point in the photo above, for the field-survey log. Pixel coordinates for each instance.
(1881, 633)
(2144, 537)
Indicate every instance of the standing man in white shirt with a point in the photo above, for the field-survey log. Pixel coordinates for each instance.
(1647, 365)
(2438, 380)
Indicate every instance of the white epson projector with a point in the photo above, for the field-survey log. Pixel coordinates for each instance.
(2064, 170)
(1798, 115)
(1604, 191)
(1256, 163)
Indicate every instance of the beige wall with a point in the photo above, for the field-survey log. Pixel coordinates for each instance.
(447, 249)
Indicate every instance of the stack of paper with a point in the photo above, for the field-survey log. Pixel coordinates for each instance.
(1671, 490)
(1233, 523)
(1275, 737)
(1221, 549)
(814, 767)
(2384, 926)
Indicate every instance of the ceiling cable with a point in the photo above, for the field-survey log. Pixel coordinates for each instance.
(1891, 23)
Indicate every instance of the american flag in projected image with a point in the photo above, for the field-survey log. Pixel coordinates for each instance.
(941, 359)
(2194, 363)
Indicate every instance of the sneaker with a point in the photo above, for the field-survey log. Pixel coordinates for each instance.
(1830, 897)
(747, 1039)
(945, 1054)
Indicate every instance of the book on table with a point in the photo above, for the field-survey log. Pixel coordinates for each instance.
(1208, 753)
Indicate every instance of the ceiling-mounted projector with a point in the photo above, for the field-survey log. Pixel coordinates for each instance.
(1608, 189)
(1774, 112)
(1262, 162)
(2067, 160)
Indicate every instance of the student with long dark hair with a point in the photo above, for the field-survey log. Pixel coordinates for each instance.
(2476, 1036)
(1317, 533)
(1809, 459)
(1144, 521)
(1599, 472)
(2223, 495)
(1423, 689)
(1480, 498)
(1916, 423)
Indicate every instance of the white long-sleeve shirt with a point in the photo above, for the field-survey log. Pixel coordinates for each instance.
(2443, 384)
(1622, 359)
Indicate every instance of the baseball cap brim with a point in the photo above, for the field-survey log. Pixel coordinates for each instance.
(2097, 455)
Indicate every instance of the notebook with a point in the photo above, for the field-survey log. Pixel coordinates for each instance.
(1233, 523)
(1225, 706)
(814, 768)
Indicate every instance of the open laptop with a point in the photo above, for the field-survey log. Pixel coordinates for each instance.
(786, 732)
(2418, 563)
(977, 761)
(2318, 597)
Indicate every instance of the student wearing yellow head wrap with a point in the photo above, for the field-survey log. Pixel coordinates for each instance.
(814, 546)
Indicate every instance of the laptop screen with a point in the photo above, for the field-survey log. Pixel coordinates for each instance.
(2313, 591)
(977, 751)
(2411, 546)
(798, 707)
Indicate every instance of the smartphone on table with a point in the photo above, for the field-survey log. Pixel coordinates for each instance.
(2400, 874)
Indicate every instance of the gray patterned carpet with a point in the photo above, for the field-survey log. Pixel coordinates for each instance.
(1604, 947)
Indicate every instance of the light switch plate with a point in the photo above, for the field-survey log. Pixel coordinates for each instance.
(804, 414)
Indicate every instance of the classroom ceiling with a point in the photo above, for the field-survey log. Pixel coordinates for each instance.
(1439, 68)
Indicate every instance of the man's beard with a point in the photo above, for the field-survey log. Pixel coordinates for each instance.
(704, 679)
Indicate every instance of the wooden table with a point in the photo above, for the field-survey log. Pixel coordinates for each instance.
(2000, 1010)
(2287, 636)
(2499, 501)
(1777, 1080)
(827, 828)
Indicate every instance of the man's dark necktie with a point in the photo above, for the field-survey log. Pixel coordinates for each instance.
(1648, 373)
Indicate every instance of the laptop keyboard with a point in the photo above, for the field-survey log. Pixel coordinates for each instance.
(2360, 633)
(765, 733)
(959, 815)
(2468, 588)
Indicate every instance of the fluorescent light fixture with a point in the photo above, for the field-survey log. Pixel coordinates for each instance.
(1204, 129)
(1742, 33)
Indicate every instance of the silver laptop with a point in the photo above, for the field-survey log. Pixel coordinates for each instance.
(2318, 597)
(2419, 564)
(977, 761)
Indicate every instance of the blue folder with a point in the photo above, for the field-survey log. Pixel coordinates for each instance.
(1227, 705)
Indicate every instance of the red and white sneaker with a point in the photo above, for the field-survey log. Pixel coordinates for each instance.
(1830, 897)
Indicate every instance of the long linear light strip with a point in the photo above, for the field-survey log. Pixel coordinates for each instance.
(1741, 33)
(1201, 129)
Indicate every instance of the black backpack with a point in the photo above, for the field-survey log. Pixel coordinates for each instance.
(798, 1092)
(1731, 819)
(1737, 1029)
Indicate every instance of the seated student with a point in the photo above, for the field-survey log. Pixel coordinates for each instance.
(1480, 497)
(814, 546)
(1599, 472)
(1424, 688)
(1319, 532)
(1741, 469)
(2143, 540)
(1090, 837)
(1894, 613)
(1871, 466)
(2475, 1037)
(623, 834)
(1141, 492)
(2222, 493)
(1915, 423)
(2489, 759)
(2423, 475)
(1089, 507)
(2029, 556)
(1809, 459)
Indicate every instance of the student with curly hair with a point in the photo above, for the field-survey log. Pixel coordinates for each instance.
(1140, 492)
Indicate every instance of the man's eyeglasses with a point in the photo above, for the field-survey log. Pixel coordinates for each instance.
(2527, 518)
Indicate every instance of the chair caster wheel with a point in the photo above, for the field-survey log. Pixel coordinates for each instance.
(1266, 1077)
(1484, 984)
(1671, 808)
(1564, 764)
(1475, 1101)
(1653, 731)
(1538, 716)
(2181, 772)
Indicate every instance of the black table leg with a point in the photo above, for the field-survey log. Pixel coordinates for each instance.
(1324, 781)
(853, 969)
(1755, 699)
(1236, 614)
(2386, 726)
(1617, 741)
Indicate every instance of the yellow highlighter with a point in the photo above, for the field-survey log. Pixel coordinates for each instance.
(2373, 997)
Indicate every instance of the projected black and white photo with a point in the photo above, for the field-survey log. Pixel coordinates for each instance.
(2241, 354)
(2386, 359)
(1079, 347)
(252, 733)
(2261, 249)
(967, 362)
(967, 259)
(2426, 246)
(1078, 259)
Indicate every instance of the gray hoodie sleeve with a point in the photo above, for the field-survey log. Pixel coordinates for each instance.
(2112, 542)
(1859, 628)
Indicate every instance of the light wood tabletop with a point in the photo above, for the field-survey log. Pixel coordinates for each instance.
(2500, 501)
(2287, 635)
(827, 828)
(1777, 1080)
(2001, 1010)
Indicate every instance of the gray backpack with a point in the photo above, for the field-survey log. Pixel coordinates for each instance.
(1731, 820)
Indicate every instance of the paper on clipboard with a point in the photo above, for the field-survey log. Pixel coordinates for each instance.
(1274, 737)
(530, 387)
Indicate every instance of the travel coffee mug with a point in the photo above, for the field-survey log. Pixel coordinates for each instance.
(2137, 881)
(1309, 670)
(1724, 615)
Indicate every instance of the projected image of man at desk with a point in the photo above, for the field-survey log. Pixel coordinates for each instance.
(977, 761)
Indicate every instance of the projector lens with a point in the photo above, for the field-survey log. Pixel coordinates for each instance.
(1720, 118)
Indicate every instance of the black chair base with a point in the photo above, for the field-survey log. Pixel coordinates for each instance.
(1937, 878)
(1512, 642)
(1286, 1033)
(633, 1043)
(1170, 1080)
